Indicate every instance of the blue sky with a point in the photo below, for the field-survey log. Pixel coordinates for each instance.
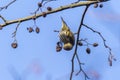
(36, 57)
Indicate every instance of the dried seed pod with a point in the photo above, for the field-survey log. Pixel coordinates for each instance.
(30, 29)
(39, 4)
(80, 43)
(49, 8)
(95, 5)
(44, 14)
(95, 44)
(88, 50)
(37, 29)
(101, 5)
(14, 45)
(58, 48)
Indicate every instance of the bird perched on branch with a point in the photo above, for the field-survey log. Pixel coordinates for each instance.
(66, 36)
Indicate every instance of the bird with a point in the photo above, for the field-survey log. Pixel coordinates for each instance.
(66, 36)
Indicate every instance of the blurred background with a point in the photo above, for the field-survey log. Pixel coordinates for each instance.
(36, 57)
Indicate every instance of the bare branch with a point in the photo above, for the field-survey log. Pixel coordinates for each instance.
(76, 46)
(110, 58)
(50, 12)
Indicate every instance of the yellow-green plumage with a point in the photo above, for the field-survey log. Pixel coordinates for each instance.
(66, 36)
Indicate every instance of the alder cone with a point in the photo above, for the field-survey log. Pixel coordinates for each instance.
(80, 43)
(49, 8)
(88, 50)
(95, 44)
(14, 45)
(95, 5)
(58, 48)
(30, 29)
(37, 29)
(101, 5)
(40, 4)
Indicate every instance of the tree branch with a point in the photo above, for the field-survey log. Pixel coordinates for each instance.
(111, 57)
(61, 8)
(76, 46)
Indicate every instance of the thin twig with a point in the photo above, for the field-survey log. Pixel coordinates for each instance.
(6, 6)
(35, 12)
(3, 18)
(15, 32)
(85, 40)
(110, 57)
(104, 41)
(47, 1)
(81, 70)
